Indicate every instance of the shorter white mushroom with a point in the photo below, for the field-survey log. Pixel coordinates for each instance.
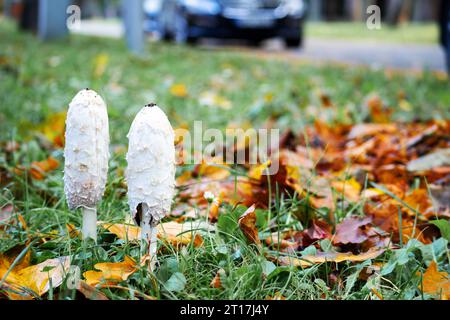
(86, 154)
(150, 173)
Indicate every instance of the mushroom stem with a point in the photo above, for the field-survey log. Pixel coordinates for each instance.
(149, 242)
(89, 229)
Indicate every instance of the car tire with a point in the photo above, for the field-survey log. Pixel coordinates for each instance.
(293, 42)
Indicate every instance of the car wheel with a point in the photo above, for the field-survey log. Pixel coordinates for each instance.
(181, 30)
(293, 42)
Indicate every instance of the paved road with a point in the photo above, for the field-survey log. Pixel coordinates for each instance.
(378, 55)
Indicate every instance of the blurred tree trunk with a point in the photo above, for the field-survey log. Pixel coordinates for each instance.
(315, 10)
(393, 11)
(29, 15)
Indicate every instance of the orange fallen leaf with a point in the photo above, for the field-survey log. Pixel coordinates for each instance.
(113, 272)
(53, 128)
(435, 282)
(214, 209)
(40, 168)
(216, 281)
(247, 223)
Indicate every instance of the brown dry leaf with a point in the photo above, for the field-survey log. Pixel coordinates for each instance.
(40, 168)
(309, 260)
(277, 240)
(352, 230)
(216, 281)
(378, 111)
(435, 282)
(247, 223)
(90, 292)
(113, 272)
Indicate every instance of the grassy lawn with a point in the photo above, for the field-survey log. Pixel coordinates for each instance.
(38, 80)
(413, 33)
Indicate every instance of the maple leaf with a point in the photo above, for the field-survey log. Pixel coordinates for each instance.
(247, 223)
(435, 282)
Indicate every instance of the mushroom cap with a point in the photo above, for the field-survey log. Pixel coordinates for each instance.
(86, 150)
(150, 173)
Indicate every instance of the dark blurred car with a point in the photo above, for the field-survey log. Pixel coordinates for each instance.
(254, 20)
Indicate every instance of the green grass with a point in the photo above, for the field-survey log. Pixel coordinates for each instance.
(416, 33)
(39, 79)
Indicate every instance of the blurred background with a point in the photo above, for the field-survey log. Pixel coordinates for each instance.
(411, 33)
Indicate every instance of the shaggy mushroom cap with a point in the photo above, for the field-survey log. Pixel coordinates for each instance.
(150, 172)
(86, 150)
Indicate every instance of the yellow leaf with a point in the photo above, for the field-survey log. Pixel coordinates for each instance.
(309, 260)
(100, 62)
(257, 171)
(36, 277)
(169, 231)
(212, 99)
(112, 271)
(53, 128)
(179, 90)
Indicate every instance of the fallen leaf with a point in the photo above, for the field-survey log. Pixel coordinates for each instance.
(309, 260)
(179, 90)
(435, 282)
(39, 169)
(100, 63)
(90, 292)
(439, 158)
(216, 281)
(113, 272)
(173, 232)
(247, 223)
(352, 230)
(36, 277)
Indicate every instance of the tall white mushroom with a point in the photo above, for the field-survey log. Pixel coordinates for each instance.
(150, 172)
(86, 154)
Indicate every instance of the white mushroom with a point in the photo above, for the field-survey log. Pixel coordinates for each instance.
(150, 172)
(86, 154)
